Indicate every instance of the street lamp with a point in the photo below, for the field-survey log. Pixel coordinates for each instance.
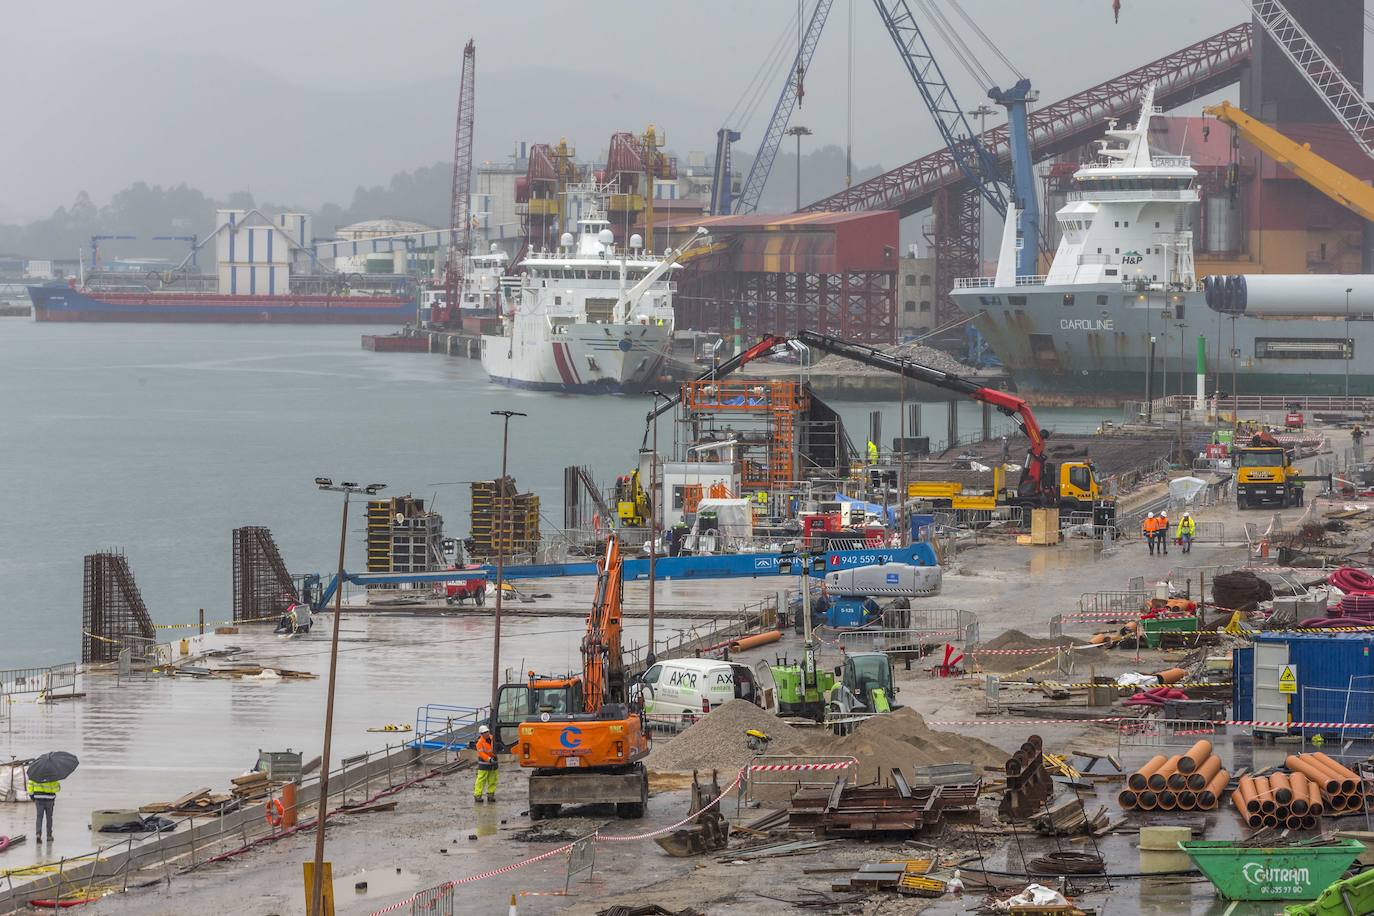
(798, 132)
(1346, 348)
(653, 520)
(500, 556)
(347, 488)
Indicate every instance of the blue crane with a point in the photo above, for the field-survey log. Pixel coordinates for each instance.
(193, 239)
(720, 178)
(95, 247)
(977, 162)
(790, 98)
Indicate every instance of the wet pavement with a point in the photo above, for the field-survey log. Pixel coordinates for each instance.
(150, 739)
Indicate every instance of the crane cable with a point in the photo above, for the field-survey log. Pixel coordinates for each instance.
(955, 44)
(749, 98)
(963, 14)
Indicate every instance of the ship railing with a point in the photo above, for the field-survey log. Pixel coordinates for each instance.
(1141, 194)
(988, 282)
(1285, 402)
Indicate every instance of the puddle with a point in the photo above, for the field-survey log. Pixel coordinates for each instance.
(1063, 557)
(389, 881)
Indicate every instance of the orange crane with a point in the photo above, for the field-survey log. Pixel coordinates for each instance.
(579, 733)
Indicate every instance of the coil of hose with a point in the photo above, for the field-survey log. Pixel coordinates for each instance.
(1066, 863)
(1352, 580)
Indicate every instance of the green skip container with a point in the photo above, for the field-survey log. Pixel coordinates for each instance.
(1298, 872)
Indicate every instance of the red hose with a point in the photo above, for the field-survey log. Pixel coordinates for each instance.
(1352, 580)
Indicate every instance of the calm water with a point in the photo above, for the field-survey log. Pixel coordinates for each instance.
(159, 440)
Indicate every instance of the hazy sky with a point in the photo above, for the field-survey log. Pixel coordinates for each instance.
(300, 101)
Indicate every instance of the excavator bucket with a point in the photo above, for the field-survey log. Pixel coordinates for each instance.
(706, 832)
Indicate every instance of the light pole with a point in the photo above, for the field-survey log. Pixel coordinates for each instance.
(653, 523)
(500, 555)
(347, 488)
(1346, 348)
(798, 132)
(981, 113)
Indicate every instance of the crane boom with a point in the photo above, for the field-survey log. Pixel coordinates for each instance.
(1327, 177)
(603, 667)
(789, 98)
(460, 209)
(630, 298)
(1336, 91)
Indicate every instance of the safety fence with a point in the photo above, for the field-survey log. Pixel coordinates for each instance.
(1350, 705)
(206, 839)
(794, 771)
(928, 626)
(1103, 605)
(48, 681)
(433, 901)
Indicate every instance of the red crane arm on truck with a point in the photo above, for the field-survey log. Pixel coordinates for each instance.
(1038, 479)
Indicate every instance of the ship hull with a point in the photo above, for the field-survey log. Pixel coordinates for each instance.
(585, 359)
(62, 303)
(1095, 350)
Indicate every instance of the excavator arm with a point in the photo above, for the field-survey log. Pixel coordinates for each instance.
(719, 370)
(603, 669)
(1037, 481)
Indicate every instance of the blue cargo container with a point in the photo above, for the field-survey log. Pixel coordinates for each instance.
(1335, 677)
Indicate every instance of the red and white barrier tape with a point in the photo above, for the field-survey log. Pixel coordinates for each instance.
(788, 767)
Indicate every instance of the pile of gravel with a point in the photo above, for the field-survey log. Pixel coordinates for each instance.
(1017, 641)
(902, 739)
(717, 741)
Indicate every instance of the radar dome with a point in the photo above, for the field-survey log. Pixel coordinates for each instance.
(606, 237)
(636, 241)
(565, 240)
(495, 248)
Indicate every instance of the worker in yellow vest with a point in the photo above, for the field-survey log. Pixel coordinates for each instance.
(1186, 529)
(872, 452)
(44, 795)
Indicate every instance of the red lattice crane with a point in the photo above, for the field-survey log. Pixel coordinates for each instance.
(460, 213)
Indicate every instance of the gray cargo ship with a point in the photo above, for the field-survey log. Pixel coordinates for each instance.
(1123, 279)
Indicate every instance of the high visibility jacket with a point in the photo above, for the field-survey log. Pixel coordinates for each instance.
(1187, 526)
(872, 453)
(1149, 526)
(1161, 525)
(44, 789)
(486, 752)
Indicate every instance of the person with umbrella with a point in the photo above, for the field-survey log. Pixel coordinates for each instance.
(45, 775)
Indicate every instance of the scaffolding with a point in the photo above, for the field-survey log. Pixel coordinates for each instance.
(503, 520)
(760, 416)
(263, 589)
(113, 615)
(402, 537)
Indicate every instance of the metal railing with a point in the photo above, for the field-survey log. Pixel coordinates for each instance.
(988, 282)
(795, 779)
(1127, 603)
(939, 625)
(1156, 732)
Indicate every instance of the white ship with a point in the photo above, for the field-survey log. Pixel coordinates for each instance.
(588, 317)
(484, 277)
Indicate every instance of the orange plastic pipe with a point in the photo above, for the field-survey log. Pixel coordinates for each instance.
(1283, 794)
(1302, 763)
(1239, 802)
(1126, 798)
(1173, 676)
(1168, 801)
(1177, 781)
(288, 805)
(758, 639)
(1195, 756)
(1187, 800)
(1349, 780)
(1315, 807)
(1255, 803)
(1203, 775)
(1300, 786)
(1208, 798)
(1146, 801)
(1139, 779)
(1159, 779)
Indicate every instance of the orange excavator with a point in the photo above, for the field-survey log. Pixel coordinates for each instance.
(579, 733)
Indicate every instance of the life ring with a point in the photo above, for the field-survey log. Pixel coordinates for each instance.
(275, 812)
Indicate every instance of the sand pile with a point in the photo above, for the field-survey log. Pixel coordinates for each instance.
(914, 352)
(717, 741)
(1014, 641)
(902, 739)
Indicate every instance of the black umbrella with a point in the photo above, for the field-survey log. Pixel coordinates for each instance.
(53, 766)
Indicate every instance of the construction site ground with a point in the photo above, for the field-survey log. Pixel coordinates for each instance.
(436, 833)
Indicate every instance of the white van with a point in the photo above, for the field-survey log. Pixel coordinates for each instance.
(684, 689)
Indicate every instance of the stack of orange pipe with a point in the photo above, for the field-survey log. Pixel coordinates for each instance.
(1278, 800)
(1341, 790)
(1193, 781)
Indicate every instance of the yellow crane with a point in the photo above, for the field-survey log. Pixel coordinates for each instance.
(1332, 180)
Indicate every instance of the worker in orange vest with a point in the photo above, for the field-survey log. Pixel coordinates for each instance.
(1162, 532)
(484, 789)
(1147, 531)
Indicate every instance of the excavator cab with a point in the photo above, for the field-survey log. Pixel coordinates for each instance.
(516, 703)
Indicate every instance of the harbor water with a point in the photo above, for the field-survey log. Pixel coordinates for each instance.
(158, 440)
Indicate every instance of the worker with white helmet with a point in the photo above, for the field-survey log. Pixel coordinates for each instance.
(1162, 532)
(484, 789)
(1147, 531)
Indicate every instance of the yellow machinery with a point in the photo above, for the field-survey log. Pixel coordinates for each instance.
(1078, 489)
(1265, 476)
(1332, 180)
(631, 502)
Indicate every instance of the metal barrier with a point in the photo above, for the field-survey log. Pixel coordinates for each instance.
(434, 901)
(929, 625)
(441, 727)
(1126, 603)
(1332, 704)
(15, 681)
(785, 771)
(1155, 732)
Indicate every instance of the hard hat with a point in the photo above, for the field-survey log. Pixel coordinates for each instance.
(1149, 515)
(482, 729)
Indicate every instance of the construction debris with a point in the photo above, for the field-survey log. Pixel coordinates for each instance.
(708, 829)
(1028, 783)
(864, 811)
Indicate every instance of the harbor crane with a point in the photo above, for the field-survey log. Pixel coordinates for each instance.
(460, 211)
(95, 246)
(193, 239)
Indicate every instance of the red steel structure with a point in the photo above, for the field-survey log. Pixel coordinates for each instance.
(539, 195)
(460, 215)
(628, 163)
(776, 275)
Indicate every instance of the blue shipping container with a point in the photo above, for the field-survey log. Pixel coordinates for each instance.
(1335, 676)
